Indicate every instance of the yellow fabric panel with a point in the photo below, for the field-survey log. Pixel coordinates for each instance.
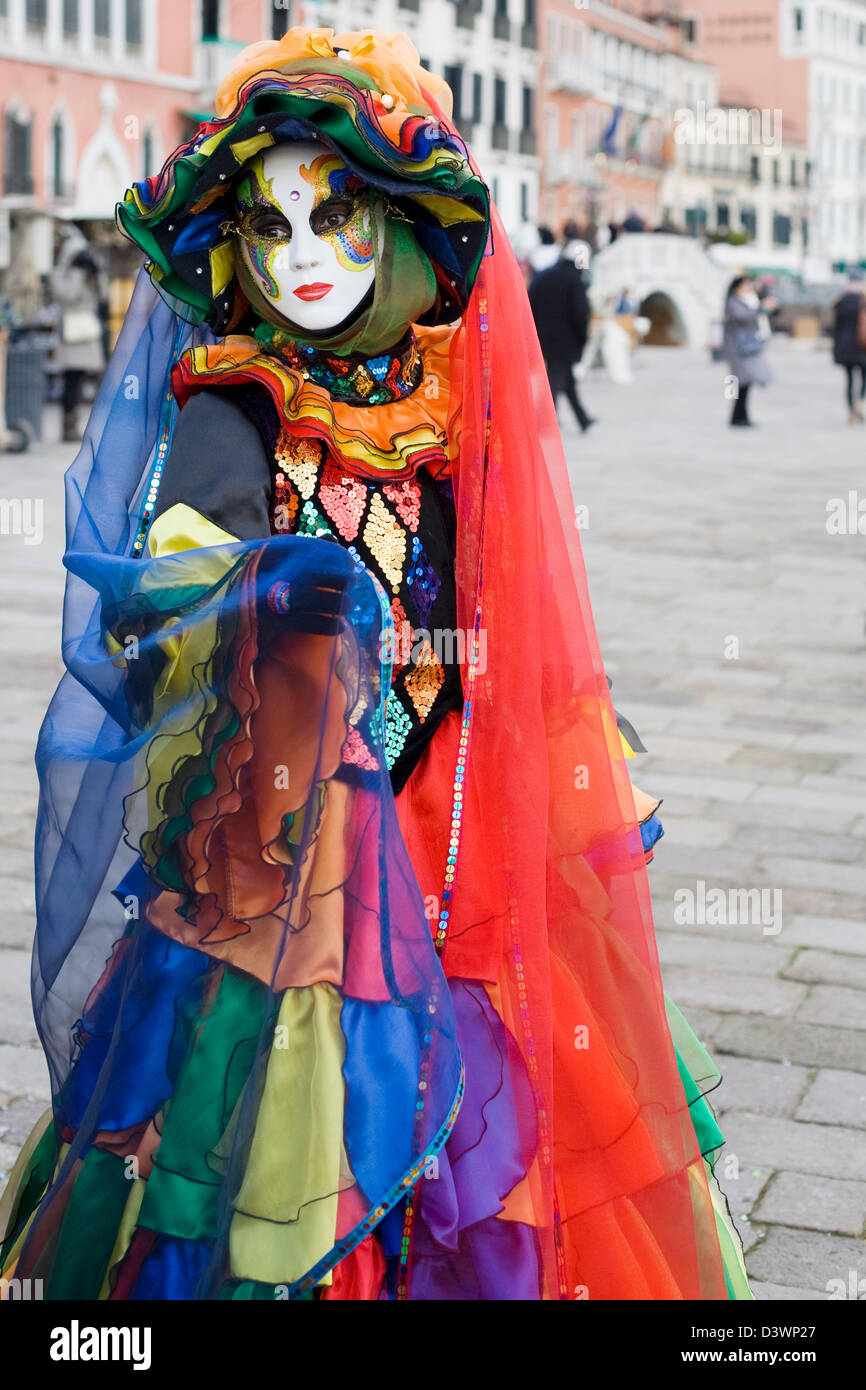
(245, 149)
(627, 749)
(125, 1232)
(222, 266)
(286, 1210)
(730, 1244)
(181, 701)
(446, 210)
(15, 1182)
(183, 528)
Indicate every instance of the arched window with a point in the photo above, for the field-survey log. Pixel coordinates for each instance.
(17, 161)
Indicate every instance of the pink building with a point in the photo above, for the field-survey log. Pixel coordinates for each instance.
(610, 72)
(744, 40)
(805, 59)
(94, 94)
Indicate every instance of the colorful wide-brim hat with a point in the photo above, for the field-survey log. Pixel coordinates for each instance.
(364, 95)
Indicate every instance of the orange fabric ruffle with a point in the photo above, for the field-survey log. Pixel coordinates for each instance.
(391, 60)
(396, 438)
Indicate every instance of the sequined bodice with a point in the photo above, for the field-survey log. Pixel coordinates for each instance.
(404, 533)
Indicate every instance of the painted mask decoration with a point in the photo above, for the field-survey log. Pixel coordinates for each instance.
(306, 232)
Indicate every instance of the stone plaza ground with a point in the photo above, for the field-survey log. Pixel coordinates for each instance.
(732, 624)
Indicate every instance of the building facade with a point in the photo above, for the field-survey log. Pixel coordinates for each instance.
(604, 113)
(807, 60)
(94, 94)
(732, 173)
(487, 50)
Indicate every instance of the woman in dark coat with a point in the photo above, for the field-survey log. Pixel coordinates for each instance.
(848, 351)
(743, 343)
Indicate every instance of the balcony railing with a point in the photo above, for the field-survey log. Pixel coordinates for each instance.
(528, 36)
(465, 16)
(570, 75)
(502, 27)
(500, 137)
(414, 5)
(565, 166)
(527, 143)
(216, 56)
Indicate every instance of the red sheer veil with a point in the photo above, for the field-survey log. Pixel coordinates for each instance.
(551, 903)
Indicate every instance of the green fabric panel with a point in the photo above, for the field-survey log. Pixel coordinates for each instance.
(182, 1194)
(38, 1178)
(89, 1229)
(708, 1134)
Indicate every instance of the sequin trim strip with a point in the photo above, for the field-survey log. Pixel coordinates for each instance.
(391, 1198)
(441, 936)
(165, 432)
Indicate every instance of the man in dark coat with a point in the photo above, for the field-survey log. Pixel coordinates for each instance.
(560, 307)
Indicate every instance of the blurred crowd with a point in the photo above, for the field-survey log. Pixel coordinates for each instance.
(55, 340)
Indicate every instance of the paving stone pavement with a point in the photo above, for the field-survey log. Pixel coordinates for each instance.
(732, 625)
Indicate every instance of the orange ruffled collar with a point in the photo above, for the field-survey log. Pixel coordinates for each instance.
(397, 437)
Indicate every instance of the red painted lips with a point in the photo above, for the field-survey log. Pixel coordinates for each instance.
(315, 291)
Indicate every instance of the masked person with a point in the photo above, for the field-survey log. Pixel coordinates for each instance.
(345, 968)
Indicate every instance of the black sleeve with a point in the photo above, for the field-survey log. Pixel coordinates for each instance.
(578, 309)
(218, 465)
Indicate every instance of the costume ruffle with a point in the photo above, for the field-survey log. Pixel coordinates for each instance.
(396, 438)
(149, 1233)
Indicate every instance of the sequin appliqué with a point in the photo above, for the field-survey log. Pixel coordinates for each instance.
(425, 680)
(385, 538)
(300, 460)
(423, 581)
(406, 497)
(397, 728)
(356, 751)
(344, 499)
(312, 523)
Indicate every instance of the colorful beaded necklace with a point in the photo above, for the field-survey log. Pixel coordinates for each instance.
(388, 376)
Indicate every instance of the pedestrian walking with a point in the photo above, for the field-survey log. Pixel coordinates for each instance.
(545, 254)
(745, 336)
(560, 307)
(76, 285)
(849, 342)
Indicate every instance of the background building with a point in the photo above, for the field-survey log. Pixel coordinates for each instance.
(605, 113)
(809, 60)
(93, 95)
(487, 50)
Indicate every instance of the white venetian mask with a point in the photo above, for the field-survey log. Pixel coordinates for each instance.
(306, 231)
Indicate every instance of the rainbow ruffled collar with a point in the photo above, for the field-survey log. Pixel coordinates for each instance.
(398, 437)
